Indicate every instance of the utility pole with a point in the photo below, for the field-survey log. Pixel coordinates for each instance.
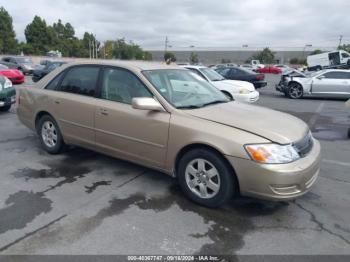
(340, 40)
(166, 44)
(96, 47)
(89, 49)
(93, 49)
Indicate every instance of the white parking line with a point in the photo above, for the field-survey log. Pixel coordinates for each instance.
(336, 162)
(313, 119)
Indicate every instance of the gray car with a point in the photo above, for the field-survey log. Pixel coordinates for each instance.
(25, 64)
(327, 83)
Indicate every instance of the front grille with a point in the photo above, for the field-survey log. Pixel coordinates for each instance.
(304, 146)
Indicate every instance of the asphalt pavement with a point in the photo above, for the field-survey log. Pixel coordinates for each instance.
(83, 202)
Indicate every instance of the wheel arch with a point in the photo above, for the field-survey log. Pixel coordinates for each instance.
(193, 146)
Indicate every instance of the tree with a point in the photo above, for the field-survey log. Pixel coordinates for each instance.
(225, 61)
(316, 52)
(266, 56)
(8, 42)
(38, 36)
(345, 48)
(169, 56)
(194, 58)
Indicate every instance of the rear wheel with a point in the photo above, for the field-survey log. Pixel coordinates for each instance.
(295, 91)
(50, 135)
(206, 178)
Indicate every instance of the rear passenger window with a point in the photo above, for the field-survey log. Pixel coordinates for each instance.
(54, 83)
(80, 80)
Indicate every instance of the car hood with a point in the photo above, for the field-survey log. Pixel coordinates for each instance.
(11, 73)
(236, 84)
(273, 125)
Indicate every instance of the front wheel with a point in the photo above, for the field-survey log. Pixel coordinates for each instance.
(5, 108)
(206, 178)
(50, 135)
(295, 91)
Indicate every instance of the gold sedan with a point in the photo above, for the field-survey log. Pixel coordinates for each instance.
(168, 118)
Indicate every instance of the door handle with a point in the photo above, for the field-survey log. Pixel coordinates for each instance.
(104, 112)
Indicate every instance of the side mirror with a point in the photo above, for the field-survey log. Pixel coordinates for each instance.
(321, 77)
(146, 103)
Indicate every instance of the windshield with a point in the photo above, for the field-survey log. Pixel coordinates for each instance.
(24, 60)
(184, 89)
(211, 74)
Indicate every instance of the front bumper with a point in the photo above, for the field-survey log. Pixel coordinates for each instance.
(7, 96)
(281, 87)
(247, 98)
(17, 80)
(277, 181)
(259, 84)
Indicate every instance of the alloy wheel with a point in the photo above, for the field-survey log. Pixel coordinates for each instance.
(202, 178)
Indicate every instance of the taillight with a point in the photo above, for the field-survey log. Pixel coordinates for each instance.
(260, 77)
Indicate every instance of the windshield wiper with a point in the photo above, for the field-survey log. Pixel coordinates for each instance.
(188, 107)
(215, 102)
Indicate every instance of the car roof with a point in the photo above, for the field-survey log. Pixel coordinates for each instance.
(133, 65)
(335, 70)
(194, 66)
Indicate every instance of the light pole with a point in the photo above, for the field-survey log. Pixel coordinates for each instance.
(307, 45)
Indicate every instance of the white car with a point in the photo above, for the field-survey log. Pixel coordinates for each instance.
(241, 91)
(326, 83)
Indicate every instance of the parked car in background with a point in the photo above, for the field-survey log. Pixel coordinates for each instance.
(247, 66)
(14, 75)
(269, 70)
(7, 94)
(22, 63)
(327, 60)
(238, 73)
(50, 66)
(167, 118)
(256, 64)
(284, 68)
(238, 90)
(325, 83)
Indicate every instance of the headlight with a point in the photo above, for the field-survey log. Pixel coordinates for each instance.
(244, 91)
(272, 153)
(7, 83)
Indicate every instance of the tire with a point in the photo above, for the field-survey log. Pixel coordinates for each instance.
(318, 68)
(50, 136)
(228, 95)
(5, 108)
(222, 182)
(295, 91)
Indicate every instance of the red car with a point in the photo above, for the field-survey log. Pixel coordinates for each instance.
(15, 76)
(269, 70)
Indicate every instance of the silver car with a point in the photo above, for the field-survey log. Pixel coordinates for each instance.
(326, 83)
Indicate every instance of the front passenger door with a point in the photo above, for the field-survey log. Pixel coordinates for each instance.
(122, 131)
(334, 82)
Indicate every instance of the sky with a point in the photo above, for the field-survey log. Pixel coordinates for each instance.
(204, 24)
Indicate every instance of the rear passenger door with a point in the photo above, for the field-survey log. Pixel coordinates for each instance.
(136, 135)
(74, 104)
